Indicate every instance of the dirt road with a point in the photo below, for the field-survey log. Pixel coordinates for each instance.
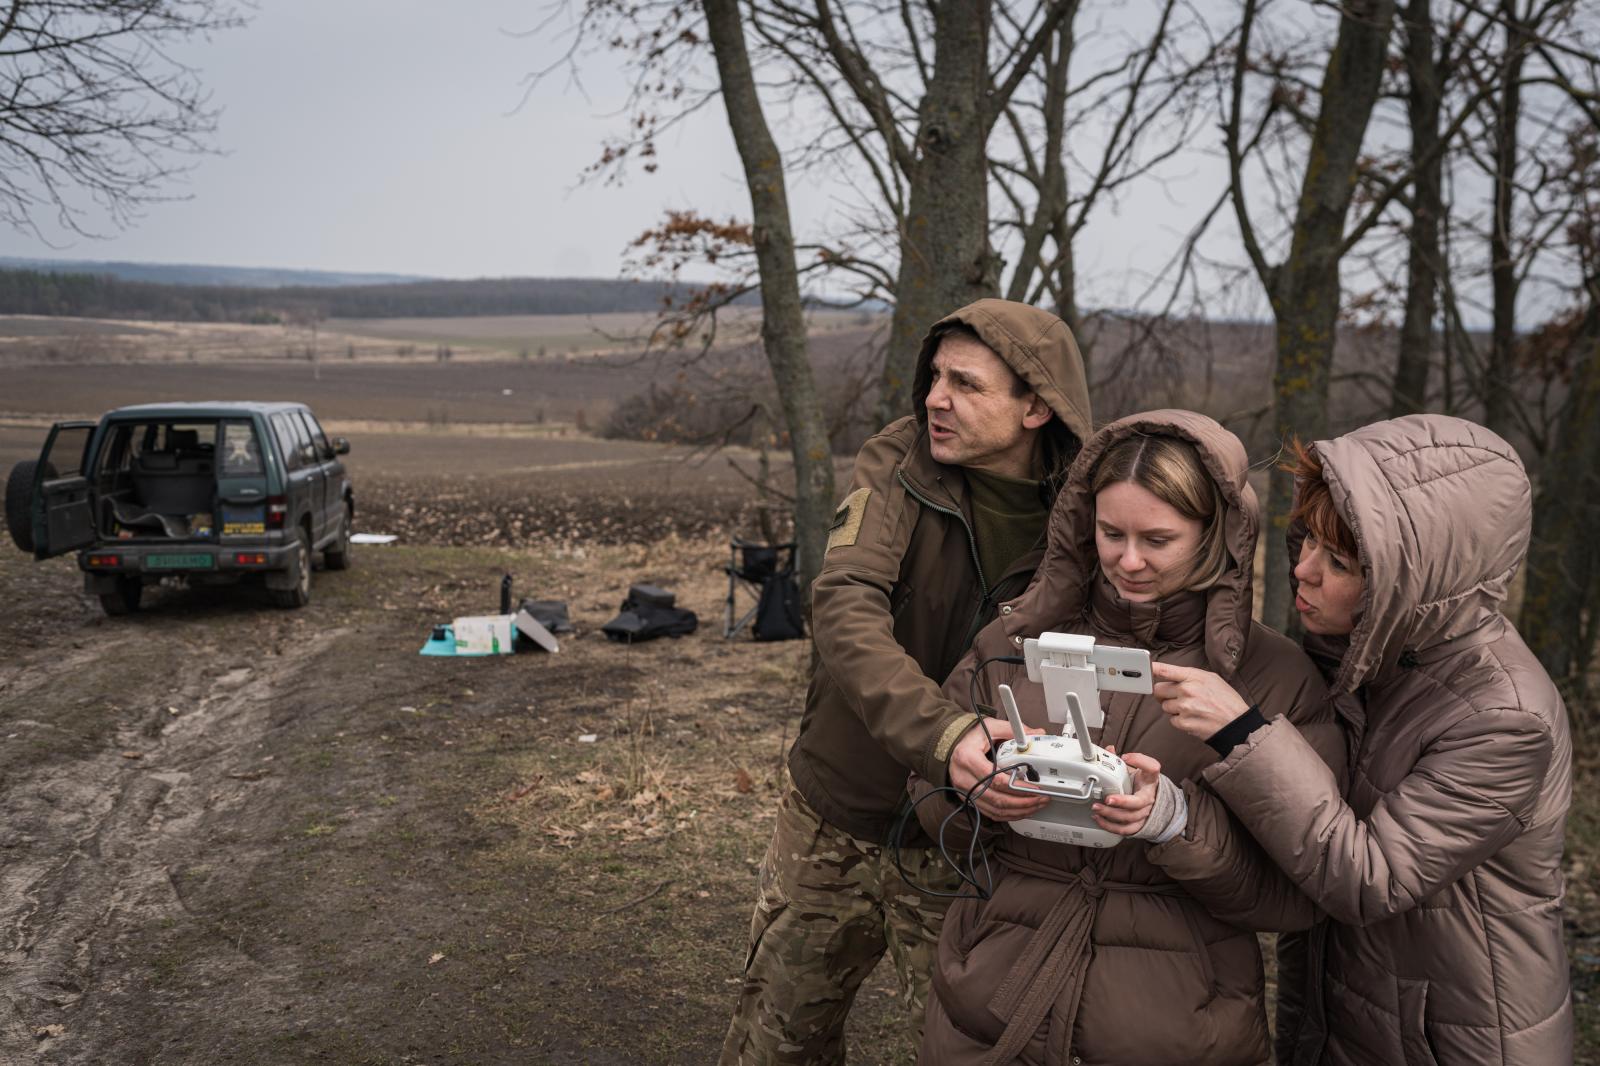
(231, 834)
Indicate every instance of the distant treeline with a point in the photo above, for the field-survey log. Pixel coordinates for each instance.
(34, 292)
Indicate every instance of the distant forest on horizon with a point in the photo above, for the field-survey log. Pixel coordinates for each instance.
(37, 292)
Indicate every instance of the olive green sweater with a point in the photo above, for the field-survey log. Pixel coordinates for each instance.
(1008, 517)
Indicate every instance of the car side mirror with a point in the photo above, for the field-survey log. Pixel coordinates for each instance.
(341, 446)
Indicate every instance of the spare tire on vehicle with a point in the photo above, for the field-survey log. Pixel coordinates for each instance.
(19, 501)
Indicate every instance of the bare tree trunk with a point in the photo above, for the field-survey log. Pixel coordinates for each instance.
(1498, 374)
(1423, 101)
(1306, 292)
(783, 328)
(945, 258)
(1564, 559)
(1051, 210)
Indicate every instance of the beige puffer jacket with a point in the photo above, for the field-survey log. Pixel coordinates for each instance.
(1138, 953)
(1441, 864)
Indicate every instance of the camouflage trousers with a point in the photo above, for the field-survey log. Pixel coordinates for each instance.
(830, 906)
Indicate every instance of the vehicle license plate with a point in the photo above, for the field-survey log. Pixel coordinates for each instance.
(195, 561)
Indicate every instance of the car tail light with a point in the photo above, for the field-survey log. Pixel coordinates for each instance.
(250, 558)
(277, 510)
(105, 560)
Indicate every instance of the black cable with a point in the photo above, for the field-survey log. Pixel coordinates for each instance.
(965, 804)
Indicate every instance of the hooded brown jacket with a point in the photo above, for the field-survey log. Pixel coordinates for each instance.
(1138, 953)
(900, 597)
(1441, 864)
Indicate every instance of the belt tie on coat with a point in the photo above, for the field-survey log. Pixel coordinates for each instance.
(1055, 963)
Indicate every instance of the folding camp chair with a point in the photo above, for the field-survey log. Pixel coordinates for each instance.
(750, 566)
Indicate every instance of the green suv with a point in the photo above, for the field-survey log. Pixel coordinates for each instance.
(214, 492)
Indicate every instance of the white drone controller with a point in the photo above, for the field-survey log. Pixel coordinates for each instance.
(1071, 770)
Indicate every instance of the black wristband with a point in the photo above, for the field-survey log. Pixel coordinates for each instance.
(1224, 740)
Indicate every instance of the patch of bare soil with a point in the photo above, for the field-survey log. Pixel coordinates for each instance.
(232, 834)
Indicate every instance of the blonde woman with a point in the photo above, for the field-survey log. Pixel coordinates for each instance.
(1146, 952)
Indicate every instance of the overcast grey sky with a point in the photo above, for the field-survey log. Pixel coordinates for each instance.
(384, 135)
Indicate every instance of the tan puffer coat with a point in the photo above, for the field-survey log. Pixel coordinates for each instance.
(1139, 953)
(1441, 864)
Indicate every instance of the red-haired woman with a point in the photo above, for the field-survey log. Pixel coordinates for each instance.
(1440, 864)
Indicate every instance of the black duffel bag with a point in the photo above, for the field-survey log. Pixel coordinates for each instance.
(646, 617)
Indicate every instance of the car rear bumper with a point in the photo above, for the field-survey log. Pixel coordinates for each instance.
(149, 562)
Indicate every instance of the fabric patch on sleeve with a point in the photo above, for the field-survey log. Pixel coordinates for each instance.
(847, 520)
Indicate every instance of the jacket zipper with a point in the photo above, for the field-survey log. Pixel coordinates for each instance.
(972, 542)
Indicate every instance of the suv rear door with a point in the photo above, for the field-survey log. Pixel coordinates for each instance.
(63, 502)
(242, 484)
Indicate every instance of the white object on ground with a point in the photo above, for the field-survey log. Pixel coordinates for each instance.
(534, 630)
(373, 538)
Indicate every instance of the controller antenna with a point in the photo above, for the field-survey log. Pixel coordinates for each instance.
(1009, 702)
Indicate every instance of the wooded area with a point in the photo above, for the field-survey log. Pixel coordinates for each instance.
(1424, 173)
(36, 292)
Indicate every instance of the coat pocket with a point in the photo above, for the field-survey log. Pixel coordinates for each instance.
(1414, 1042)
(901, 598)
(770, 903)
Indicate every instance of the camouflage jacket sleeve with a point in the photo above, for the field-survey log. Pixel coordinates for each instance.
(853, 620)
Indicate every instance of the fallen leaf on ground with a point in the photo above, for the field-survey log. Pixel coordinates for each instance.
(742, 780)
(133, 755)
(437, 956)
(44, 1032)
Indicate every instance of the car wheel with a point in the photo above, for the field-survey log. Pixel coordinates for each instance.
(125, 600)
(19, 500)
(336, 556)
(299, 594)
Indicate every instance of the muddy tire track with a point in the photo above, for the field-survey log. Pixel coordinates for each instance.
(89, 843)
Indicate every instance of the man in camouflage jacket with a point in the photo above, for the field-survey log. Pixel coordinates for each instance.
(943, 519)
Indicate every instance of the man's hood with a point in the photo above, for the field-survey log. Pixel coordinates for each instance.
(1061, 587)
(1440, 509)
(1034, 343)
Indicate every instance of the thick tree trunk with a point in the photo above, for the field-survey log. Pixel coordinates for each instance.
(945, 258)
(1423, 103)
(1305, 293)
(1499, 374)
(783, 327)
(1564, 559)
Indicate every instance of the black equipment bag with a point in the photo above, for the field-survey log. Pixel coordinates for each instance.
(778, 614)
(552, 614)
(646, 618)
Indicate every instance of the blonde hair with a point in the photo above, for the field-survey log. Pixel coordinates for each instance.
(1170, 470)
